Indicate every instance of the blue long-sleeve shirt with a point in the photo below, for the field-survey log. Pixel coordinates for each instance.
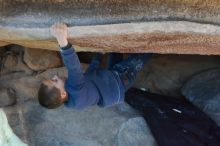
(96, 86)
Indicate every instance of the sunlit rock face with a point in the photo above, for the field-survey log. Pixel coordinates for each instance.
(162, 26)
(7, 137)
(42, 13)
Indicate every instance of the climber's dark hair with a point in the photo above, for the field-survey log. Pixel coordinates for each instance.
(49, 97)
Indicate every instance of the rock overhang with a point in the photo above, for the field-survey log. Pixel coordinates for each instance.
(178, 27)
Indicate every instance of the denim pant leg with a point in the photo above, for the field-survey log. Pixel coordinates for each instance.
(128, 69)
(114, 58)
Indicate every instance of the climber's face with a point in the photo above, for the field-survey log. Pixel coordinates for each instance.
(58, 82)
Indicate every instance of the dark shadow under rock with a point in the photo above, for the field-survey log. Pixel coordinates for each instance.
(166, 74)
(203, 90)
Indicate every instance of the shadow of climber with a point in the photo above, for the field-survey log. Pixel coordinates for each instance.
(174, 122)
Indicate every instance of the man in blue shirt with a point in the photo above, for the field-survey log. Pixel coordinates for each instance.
(103, 87)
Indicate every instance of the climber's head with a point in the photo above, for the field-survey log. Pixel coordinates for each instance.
(52, 93)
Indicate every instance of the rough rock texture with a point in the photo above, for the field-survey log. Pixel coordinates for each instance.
(166, 74)
(41, 59)
(41, 13)
(7, 97)
(11, 60)
(160, 37)
(67, 127)
(203, 91)
(121, 26)
(135, 132)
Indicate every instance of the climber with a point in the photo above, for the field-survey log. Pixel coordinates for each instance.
(102, 87)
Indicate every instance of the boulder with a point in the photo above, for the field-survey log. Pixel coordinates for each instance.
(162, 26)
(166, 74)
(38, 59)
(203, 91)
(93, 126)
(12, 61)
(42, 13)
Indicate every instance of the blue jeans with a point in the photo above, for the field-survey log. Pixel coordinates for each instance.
(127, 69)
